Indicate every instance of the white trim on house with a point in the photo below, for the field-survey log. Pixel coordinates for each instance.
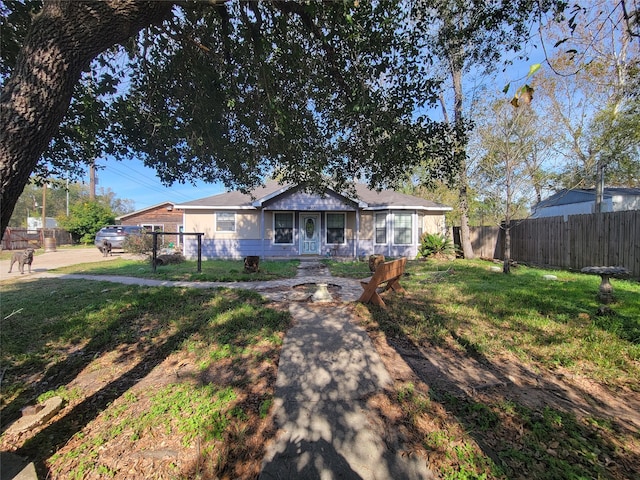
(396, 214)
(259, 201)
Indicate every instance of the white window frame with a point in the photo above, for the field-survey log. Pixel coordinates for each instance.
(293, 228)
(218, 222)
(375, 228)
(344, 227)
(153, 227)
(395, 226)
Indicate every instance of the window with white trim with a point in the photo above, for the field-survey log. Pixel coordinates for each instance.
(335, 228)
(225, 222)
(283, 228)
(153, 228)
(381, 228)
(402, 228)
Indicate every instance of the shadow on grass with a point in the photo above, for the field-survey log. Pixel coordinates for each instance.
(513, 424)
(101, 318)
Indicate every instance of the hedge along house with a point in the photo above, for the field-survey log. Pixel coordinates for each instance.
(285, 221)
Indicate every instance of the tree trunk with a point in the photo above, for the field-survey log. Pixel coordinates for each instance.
(465, 234)
(456, 64)
(63, 40)
(506, 266)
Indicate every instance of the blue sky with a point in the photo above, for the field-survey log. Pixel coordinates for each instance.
(131, 179)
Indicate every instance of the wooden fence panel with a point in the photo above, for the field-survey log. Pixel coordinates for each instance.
(582, 240)
(21, 238)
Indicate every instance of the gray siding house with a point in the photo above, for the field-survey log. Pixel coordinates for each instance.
(583, 201)
(285, 221)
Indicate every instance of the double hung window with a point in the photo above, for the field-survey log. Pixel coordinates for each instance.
(381, 228)
(225, 222)
(402, 227)
(283, 228)
(335, 228)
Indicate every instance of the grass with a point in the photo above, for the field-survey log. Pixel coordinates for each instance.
(95, 344)
(57, 331)
(212, 270)
(547, 323)
(547, 326)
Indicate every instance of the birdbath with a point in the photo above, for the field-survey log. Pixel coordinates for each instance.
(605, 292)
(322, 294)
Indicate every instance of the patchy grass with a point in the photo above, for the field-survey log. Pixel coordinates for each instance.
(212, 270)
(461, 312)
(548, 323)
(174, 381)
(351, 269)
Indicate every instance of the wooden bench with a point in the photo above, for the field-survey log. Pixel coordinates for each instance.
(387, 272)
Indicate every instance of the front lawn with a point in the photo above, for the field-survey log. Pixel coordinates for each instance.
(212, 270)
(514, 376)
(173, 381)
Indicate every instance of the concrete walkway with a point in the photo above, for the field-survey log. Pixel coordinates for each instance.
(328, 367)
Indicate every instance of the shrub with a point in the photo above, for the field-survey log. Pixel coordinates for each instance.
(85, 219)
(138, 244)
(435, 244)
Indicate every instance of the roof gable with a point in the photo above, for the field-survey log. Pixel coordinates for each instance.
(147, 209)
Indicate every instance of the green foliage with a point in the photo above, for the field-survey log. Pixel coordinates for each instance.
(58, 192)
(433, 244)
(138, 244)
(85, 219)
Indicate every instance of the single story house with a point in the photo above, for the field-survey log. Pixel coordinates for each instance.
(583, 201)
(163, 217)
(286, 221)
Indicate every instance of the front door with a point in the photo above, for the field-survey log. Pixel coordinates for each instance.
(310, 234)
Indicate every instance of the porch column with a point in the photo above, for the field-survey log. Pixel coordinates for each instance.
(357, 235)
(262, 233)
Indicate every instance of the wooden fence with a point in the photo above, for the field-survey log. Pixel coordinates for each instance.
(580, 241)
(21, 238)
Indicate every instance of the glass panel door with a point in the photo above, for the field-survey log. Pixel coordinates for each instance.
(310, 234)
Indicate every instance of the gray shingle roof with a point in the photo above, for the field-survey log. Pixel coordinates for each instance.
(374, 200)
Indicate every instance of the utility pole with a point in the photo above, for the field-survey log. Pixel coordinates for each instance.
(599, 185)
(44, 206)
(92, 181)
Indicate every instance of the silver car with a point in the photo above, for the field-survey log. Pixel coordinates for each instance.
(116, 234)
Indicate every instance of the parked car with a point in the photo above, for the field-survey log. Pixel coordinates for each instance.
(116, 234)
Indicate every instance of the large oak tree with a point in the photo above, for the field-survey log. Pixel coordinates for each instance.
(63, 39)
(219, 91)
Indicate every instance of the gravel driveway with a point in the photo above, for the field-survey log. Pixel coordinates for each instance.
(62, 257)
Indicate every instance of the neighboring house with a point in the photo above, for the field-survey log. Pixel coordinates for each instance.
(583, 201)
(286, 221)
(163, 217)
